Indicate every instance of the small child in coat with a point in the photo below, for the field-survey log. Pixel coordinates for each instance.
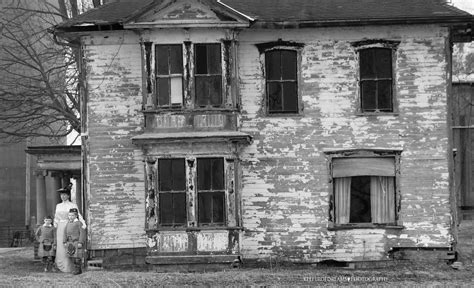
(46, 236)
(74, 238)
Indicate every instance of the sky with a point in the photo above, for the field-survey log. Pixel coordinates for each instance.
(466, 5)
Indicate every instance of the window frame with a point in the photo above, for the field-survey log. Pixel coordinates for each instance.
(390, 45)
(331, 155)
(281, 45)
(229, 197)
(227, 69)
(168, 76)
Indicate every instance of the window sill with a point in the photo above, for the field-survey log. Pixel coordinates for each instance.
(289, 115)
(364, 226)
(183, 110)
(362, 114)
(193, 229)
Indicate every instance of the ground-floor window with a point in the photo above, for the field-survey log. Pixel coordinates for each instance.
(188, 192)
(364, 189)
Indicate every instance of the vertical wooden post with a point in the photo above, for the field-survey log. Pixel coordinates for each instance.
(40, 197)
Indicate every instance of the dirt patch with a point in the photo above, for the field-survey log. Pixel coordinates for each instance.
(18, 269)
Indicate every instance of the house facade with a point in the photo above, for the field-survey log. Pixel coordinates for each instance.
(226, 131)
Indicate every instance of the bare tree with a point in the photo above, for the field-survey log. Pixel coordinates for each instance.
(39, 77)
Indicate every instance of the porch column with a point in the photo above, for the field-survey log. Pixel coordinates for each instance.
(79, 194)
(56, 186)
(40, 196)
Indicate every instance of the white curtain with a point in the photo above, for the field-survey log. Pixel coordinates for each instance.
(382, 199)
(342, 200)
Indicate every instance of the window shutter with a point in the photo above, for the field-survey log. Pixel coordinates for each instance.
(349, 167)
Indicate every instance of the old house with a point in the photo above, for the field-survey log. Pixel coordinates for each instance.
(238, 130)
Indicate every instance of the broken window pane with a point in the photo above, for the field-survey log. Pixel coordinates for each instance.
(169, 75)
(281, 76)
(376, 79)
(211, 194)
(176, 90)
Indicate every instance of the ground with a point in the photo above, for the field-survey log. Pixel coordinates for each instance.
(19, 269)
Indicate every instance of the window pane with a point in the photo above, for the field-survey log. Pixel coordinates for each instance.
(210, 174)
(290, 97)
(202, 90)
(176, 59)
(205, 206)
(385, 95)
(368, 90)
(176, 90)
(383, 63)
(172, 208)
(360, 200)
(217, 174)
(179, 208)
(215, 93)
(204, 174)
(164, 175)
(288, 65)
(163, 91)
(178, 175)
(214, 58)
(218, 207)
(274, 97)
(166, 208)
(272, 65)
(211, 208)
(366, 62)
(200, 56)
(162, 59)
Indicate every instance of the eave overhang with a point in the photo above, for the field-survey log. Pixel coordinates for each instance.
(235, 137)
(177, 25)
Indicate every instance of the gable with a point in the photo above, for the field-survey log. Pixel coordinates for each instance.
(188, 13)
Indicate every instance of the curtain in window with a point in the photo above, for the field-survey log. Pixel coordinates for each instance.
(342, 199)
(382, 198)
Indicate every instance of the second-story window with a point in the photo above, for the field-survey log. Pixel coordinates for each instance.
(281, 81)
(169, 75)
(208, 75)
(376, 80)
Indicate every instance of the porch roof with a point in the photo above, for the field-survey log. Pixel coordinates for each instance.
(57, 158)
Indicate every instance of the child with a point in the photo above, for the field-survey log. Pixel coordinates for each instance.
(74, 238)
(46, 236)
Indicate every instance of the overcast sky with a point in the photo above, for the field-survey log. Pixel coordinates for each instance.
(466, 5)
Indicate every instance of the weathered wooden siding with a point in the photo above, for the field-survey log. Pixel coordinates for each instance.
(115, 190)
(285, 176)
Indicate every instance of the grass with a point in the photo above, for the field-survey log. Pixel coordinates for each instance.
(18, 269)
